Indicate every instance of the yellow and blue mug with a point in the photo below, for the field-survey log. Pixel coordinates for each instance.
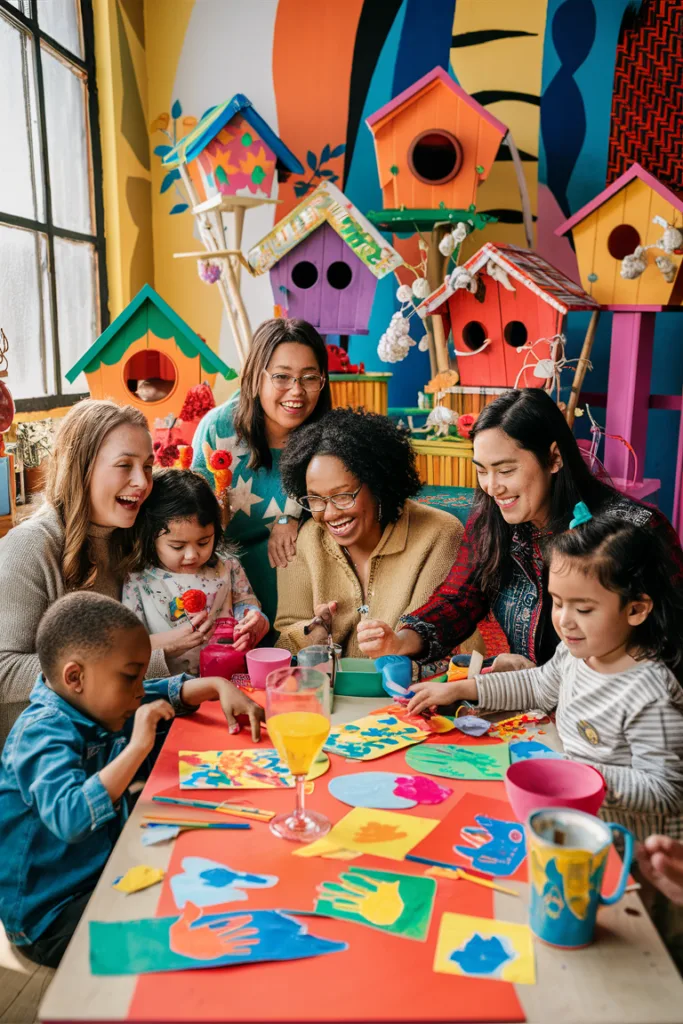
(568, 852)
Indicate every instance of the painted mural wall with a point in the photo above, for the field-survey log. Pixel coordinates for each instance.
(584, 85)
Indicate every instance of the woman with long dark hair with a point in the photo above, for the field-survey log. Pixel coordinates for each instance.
(284, 384)
(531, 477)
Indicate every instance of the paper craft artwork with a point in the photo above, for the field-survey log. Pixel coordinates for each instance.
(327, 849)
(426, 723)
(525, 750)
(518, 725)
(382, 833)
(196, 940)
(154, 833)
(207, 883)
(137, 878)
(395, 903)
(372, 737)
(479, 834)
(240, 769)
(387, 790)
(470, 725)
(476, 947)
(482, 763)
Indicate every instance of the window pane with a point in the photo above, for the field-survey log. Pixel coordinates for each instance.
(24, 296)
(68, 146)
(20, 168)
(77, 306)
(61, 19)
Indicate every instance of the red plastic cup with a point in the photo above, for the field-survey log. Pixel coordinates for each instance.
(539, 783)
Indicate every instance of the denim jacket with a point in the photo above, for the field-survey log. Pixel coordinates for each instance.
(58, 824)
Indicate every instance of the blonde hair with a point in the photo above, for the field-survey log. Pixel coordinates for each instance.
(78, 442)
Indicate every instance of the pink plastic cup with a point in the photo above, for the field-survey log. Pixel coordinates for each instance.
(539, 783)
(264, 660)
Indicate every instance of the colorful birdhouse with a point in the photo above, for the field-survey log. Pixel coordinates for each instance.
(324, 260)
(149, 358)
(505, 306)
(629, 243)
(233, 152)
(434, 144)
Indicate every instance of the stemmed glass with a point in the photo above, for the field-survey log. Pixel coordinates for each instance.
(298, 716)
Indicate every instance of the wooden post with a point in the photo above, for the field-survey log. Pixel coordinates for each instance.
(628, 390)
(436, 266)
(581, 367)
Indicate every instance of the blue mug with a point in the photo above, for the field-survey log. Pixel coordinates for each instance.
(397, 675)
(568, 852)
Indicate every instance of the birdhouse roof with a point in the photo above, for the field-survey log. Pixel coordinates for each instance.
(634, 171)
(525, 266)
(410, 94)
(216, 118)
(326, 205)
(147, 311)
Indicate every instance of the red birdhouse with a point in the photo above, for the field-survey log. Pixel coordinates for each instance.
(504, 330)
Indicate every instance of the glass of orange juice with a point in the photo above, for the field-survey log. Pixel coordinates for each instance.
(298, 716)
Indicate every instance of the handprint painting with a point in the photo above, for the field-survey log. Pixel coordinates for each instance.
(206, 883)
(395, 903)
(372, 737)
(476, 947)
(487, 762)
(239, 769)
(196, 940)
(382, 833)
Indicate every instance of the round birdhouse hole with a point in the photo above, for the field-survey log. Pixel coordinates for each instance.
(435, 156)
(304, 274)
(150, 376)
(339, 275)
(515, 333)
(623, 241)
(474, 335)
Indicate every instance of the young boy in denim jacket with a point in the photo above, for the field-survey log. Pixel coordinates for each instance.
(70, 757)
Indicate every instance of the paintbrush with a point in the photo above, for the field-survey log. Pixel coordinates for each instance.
(255, 813)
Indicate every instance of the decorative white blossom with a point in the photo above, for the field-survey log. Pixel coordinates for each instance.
(442, 418)
(420, 287)
(396, 342)
(404, 293)
(667, 267)
(461, 278)
(634, 265)
(423, 344)
(446, 245)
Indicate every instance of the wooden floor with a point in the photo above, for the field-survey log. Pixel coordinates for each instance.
(22, 985)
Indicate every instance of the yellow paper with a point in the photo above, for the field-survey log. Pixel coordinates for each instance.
(382, 833)
(497, 950)
(140, 877)
(327, 849)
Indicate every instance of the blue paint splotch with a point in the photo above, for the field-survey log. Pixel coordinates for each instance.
(483, 956)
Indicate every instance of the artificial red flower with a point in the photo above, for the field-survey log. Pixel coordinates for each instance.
(465, 424)
(194, 601)
(220, 459)
(166, 455)
(198, 401)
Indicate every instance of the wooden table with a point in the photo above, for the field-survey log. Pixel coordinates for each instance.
(626, 977)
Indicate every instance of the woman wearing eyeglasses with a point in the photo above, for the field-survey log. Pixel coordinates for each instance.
(367, 549)
(284, 384)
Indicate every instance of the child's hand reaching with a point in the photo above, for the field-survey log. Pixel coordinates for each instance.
(429, 694)
(250, 630)
(185, 636)
(145, 724)
(660, 858)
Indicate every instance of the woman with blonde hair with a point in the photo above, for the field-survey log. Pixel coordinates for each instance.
(80, 538)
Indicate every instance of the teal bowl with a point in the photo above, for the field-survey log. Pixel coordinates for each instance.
(358, 677)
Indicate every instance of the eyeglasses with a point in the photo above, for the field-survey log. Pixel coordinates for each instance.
(309, 381)
(316, 502)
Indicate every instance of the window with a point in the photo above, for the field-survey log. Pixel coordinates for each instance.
(515, 333)
(474, 335)
(53, 289)
(339, 275)
(304, 274)
(435, 156)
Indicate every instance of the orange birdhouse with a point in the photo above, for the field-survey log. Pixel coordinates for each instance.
(149, 358)
(434, 144)
(629, 243)
(503, 333)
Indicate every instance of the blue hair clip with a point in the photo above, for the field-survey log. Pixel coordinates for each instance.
(581, 515)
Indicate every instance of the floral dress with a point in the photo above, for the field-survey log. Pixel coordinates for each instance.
(155, 596)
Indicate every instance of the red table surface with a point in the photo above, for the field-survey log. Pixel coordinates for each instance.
(378, 978)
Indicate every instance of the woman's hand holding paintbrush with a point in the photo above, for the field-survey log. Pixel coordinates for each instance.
(320, 627)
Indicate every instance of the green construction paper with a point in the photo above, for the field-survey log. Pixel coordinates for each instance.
(386, 889)
(485, 762)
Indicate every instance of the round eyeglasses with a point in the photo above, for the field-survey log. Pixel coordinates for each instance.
(317, 503)
(311, 382)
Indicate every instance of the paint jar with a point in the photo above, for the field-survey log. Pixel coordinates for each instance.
(567, 853)
(219, 657)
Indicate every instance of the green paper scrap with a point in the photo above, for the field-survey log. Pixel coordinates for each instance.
(386, 900)
(482, 763)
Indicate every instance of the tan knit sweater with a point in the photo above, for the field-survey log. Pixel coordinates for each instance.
(412, 558)
(30, 581)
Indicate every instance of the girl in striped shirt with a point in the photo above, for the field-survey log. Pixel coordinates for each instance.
(613, 682)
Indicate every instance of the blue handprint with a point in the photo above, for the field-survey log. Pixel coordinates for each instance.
(483, 957)
(495, 847)
(207, 883)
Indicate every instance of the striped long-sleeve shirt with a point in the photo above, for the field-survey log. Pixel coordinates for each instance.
(628, 725)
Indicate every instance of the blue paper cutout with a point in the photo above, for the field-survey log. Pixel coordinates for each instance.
(471, 725)
(483, 957)
(207, 883)
(501, 854)
(369, 789)
(525, 750)
(156, 833)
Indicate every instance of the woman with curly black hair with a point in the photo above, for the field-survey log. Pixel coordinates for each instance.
(368, 549)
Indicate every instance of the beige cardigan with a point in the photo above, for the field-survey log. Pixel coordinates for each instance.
(412, 558)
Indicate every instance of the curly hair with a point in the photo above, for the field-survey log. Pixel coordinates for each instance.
(371, 447)
(631, 561)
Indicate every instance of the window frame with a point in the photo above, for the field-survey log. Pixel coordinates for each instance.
(29, 23)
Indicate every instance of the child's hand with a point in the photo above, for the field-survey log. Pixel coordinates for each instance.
(186, 635)
(250, 630)
(145, 723)
(511, 663)
(429, 694)
(660, 858)
(234, 702)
